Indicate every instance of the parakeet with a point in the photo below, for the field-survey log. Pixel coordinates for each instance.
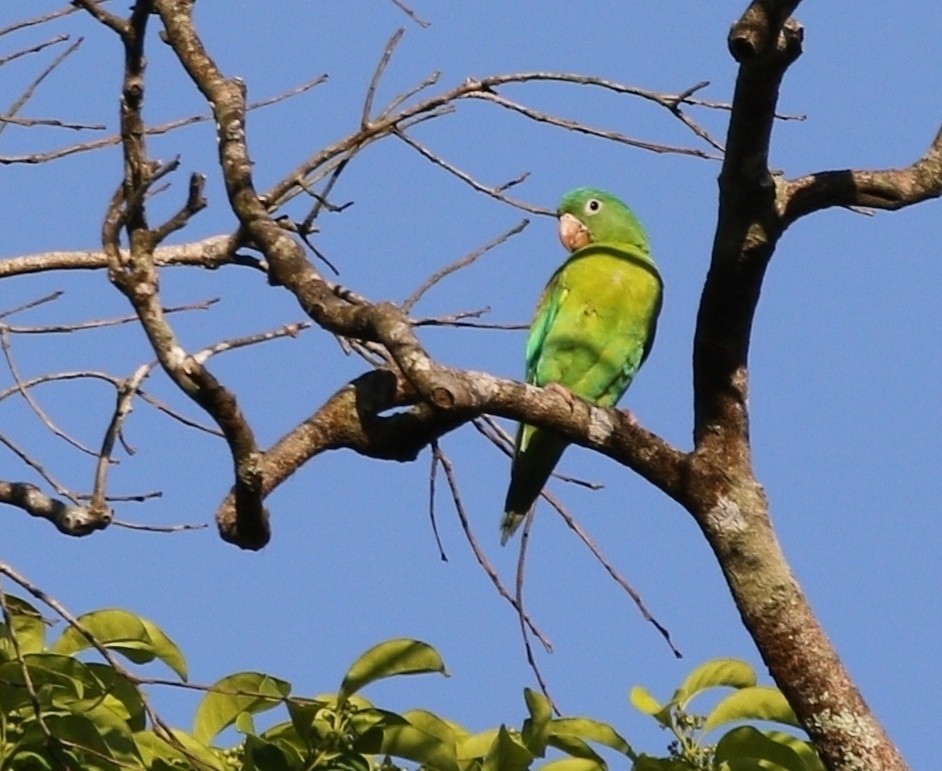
(593, 328)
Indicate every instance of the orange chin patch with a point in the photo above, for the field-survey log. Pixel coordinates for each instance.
(572, 233)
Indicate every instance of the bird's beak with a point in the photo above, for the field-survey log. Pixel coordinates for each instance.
(573, 234)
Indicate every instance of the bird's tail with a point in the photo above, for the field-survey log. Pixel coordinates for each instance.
(536, 455)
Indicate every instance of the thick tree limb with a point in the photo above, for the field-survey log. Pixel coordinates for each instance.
(888, 189)
(352, 419)
(70, 519)
(728, 503)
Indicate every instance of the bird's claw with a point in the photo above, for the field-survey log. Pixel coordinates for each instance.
(568, 395)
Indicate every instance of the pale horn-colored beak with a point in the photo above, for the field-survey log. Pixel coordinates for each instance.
(573, 234)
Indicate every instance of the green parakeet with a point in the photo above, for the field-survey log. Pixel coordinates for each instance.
(593, 329)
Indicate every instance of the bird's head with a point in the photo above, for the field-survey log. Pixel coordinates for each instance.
(590, 216)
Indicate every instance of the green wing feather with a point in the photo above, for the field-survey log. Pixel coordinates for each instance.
(593, 328)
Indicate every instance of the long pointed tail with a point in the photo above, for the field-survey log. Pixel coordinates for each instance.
(538, 452)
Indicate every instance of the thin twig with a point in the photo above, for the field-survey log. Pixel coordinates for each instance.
(412, 14)
(30, 304)
(582, 128)
(33, 49)
(123, 406)
(156, 528)
(611, 570)
(479, 553)
(287, 330)
(378, 75)
(432, 475)
(518, 594)
(33, 404)
(31, 88)
(459, 321)
(462, 262)
(48, 329)
(431, 80)
(38, 468)
(494, 192)
(163, 128)
(36, 20)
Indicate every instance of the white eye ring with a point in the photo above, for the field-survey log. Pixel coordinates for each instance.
(593, 206)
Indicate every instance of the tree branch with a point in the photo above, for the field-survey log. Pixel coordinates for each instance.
(727, 501)
(889, 189)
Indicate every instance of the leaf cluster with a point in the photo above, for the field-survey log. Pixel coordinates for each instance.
(742, 747)
(57, 710)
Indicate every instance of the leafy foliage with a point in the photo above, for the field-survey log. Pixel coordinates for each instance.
(57, 710)
(742, 747)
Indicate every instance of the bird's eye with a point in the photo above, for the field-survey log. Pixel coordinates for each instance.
(593, 205)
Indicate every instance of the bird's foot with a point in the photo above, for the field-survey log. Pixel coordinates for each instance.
(629, 416)
(568, 395)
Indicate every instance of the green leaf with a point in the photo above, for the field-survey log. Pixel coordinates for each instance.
(592, 730)
(731, 673)
(648, 763)
(642, 700)
(394, 657)
(286, 736)
(418, 735)
(535, 731)
(368, 724)
(244, 724)
(266, 755)
(28, 627)
(507, 753)
(121, 695)
(759, 702)
(477, 745)
(574, 746)
(195, 754)
(434, 725)
(91, 735)
(302, 713)
(35, 761)
(573, 764)
(801, 747)
(347, 761)
(60, 680)
(747, 742)
(250, 692)
(134, 637)
(412, 743)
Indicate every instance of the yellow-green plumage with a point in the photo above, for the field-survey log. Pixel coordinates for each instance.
(593, 329)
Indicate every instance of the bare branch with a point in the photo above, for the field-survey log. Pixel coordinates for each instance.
(378, 74)
(31, 88)
(163, 128)
(211, 253)
(890, 189)
(37, 20)
(494, 192)
(51, 297)
(32, 50)
(27, 396)
(432, 475)
(123, 407)
(70, 519)
(463, 262)
(612, 570)
(479, 554)
(412, 14)
(582, 128)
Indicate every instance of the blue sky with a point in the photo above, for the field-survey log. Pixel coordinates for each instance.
(846, 411)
